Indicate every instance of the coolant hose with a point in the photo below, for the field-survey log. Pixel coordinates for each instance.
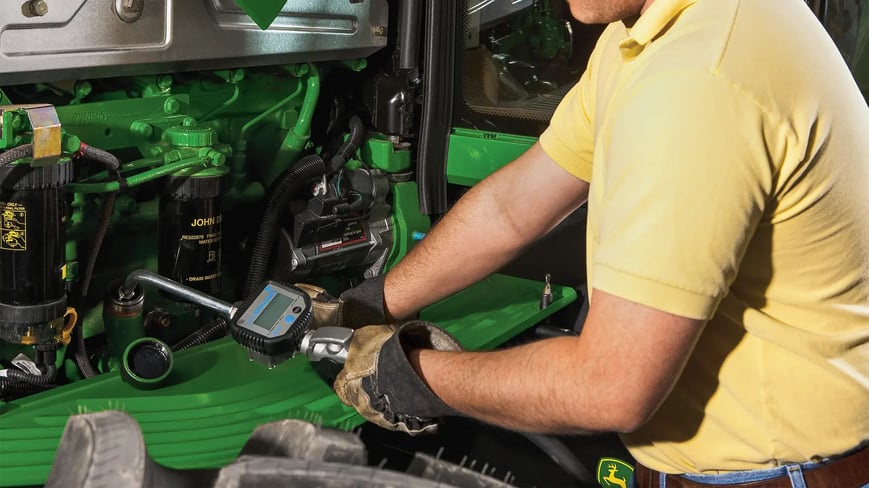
(286, 186)
(214, 329)
(349, 147)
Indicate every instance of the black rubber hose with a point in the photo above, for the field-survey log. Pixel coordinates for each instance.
(16, 153)
(286, 186)
(214, 329)
(111, 162)
(349, 147)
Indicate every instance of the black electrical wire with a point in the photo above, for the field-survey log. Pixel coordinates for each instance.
(46, 380)
(16, 153)
(112, 164)
(107, 159)
(349, 147)
(10, 389)
(18, 383)
(289, 183)
(214, 329)
(13, 155)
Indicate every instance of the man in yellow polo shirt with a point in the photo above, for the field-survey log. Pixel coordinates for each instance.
(723, 147)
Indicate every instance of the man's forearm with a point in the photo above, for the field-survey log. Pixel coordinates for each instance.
(529, 388)
(571, 384)
(452, 256)
(487, 228)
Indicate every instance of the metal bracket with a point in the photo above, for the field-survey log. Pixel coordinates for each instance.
(45, 126)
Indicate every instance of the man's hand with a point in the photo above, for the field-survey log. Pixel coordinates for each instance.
(379, 381)
(354, 308)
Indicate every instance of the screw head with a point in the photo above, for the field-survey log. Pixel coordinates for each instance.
(129, 10)
(38, 7)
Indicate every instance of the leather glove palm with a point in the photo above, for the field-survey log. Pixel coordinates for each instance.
(358, 306)
(379, 381)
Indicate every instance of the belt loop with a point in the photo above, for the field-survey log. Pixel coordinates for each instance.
(795, 474)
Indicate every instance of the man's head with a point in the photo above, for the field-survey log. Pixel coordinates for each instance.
(606, 11)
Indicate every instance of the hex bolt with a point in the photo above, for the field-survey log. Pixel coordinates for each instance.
(164, 82)
(82, 88)
(38, 7)
(141, 128)
(171, 106)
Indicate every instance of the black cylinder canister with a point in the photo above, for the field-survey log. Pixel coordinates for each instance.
(32, 240)
(191, 218)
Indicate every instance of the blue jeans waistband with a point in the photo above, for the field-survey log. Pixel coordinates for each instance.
(791, 471)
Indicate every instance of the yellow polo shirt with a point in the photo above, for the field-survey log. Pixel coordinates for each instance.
(728, 149)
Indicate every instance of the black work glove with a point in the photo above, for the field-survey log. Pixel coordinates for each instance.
(358, 306)
(379, 381)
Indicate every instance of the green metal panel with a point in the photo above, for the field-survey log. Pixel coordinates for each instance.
(109, 124)
(408, 221)
(215, 396)
(474, 155)
(381, 154)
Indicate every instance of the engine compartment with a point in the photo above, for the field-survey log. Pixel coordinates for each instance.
(216, 162)
(187, 140)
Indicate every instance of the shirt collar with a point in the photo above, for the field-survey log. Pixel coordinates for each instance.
(650, 24)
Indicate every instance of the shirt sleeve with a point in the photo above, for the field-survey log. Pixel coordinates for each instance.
(687, 174)
(569, 139)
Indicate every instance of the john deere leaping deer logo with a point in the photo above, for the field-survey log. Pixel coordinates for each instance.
(617, 471)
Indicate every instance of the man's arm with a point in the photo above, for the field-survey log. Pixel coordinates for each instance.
(487, 228)
(612, 377)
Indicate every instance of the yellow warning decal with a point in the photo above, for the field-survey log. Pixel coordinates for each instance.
(13, 226)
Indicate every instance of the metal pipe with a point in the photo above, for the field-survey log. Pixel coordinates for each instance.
(140, 178)
(162, 283)
(232, 99)
(309, 103)
(274, 108)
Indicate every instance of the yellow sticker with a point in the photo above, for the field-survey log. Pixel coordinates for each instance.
(13, 226)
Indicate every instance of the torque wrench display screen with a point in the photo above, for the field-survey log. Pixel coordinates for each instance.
(273, 311)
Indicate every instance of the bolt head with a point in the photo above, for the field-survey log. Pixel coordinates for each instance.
(171, 106)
